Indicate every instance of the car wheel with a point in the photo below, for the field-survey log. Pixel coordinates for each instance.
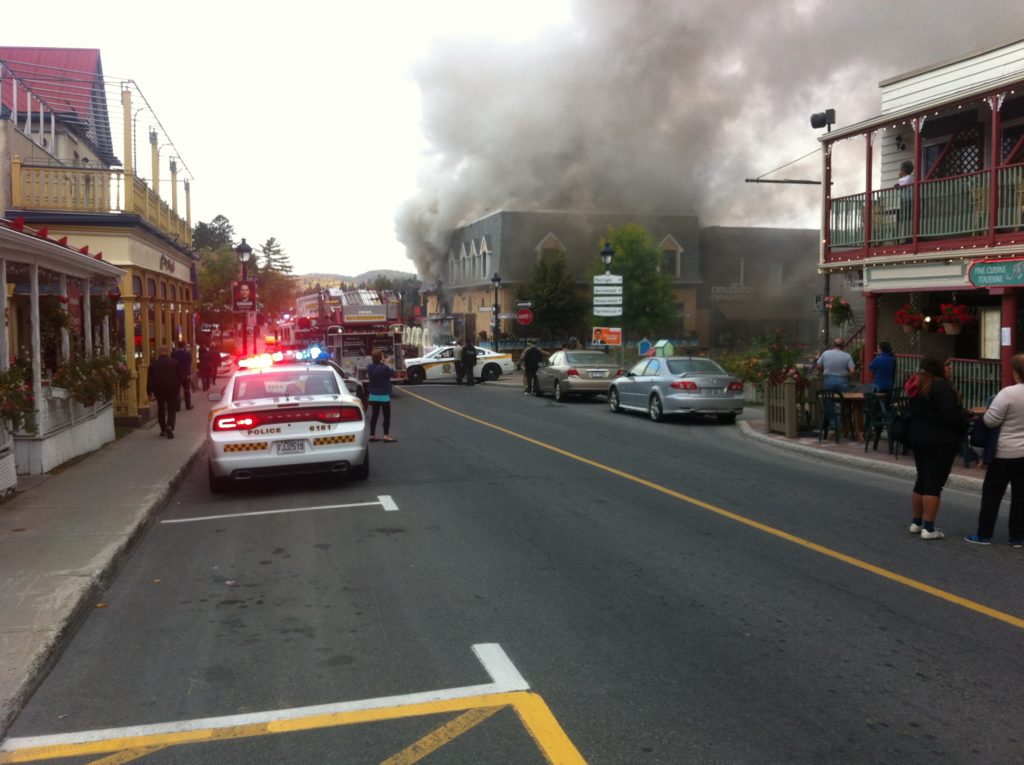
(727, 419)
(217, 484)
(491, 373)
(613, 401)
(557, 392)
(415, 375)
(362, 472)
(654, 409)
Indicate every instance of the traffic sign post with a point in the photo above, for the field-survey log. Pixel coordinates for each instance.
(524, 316)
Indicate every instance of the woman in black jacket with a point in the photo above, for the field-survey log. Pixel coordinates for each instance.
(938, 424)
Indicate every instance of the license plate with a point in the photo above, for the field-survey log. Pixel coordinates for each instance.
(291, 447)
(598, 373)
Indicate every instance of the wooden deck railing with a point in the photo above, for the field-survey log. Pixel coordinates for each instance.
(91, 190)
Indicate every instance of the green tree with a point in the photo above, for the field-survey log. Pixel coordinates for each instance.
(274, 258)
(217, 270)
(213, 235)
(648, 306)
(558, 308)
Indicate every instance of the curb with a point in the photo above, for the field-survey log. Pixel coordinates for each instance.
(899, 471)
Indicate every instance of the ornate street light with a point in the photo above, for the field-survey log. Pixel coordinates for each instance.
(496, 281)
(606, 256)
(244, 252)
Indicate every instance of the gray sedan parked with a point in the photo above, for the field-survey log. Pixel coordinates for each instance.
(662, 386)
(569, 373)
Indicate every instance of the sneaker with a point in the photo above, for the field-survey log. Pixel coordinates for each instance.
(170, 434)
(1017, 542)
(974, 539)
(925, 534)
(915, 528)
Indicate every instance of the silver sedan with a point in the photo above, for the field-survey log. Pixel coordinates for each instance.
(663, 386)
(569, 373)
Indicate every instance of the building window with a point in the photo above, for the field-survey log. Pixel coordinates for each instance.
(670, 262)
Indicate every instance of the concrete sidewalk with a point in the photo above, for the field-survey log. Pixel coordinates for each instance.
(63, 536)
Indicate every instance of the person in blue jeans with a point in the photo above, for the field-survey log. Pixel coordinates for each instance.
(379, 375)
(836, 366)
(883, 368)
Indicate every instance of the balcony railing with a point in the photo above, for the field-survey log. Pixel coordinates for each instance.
(91, 190)
(950, 208)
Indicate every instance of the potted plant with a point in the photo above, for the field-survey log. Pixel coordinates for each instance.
(839, 311)
(909, 318)
(953, 317)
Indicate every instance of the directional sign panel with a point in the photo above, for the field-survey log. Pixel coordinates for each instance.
(607, 310)
(607, 289)
(608, 279)
(607, 299)
(524, 304)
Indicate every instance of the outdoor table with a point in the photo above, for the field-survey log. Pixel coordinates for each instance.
(853, 406)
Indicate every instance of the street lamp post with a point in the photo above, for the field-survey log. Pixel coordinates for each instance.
(244, 252)
(496, 281)
(606, 256)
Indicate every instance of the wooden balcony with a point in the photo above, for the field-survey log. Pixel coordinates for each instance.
(66, 189)
(951, 210)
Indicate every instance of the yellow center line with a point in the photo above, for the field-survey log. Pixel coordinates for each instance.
(971, 605)
(120, 758)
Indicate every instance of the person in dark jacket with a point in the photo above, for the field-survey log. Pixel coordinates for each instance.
(532, 358)
(938, 424)
(184, 357)
(469, 362)
(883, 368)
(164, 384)
(379, 375)
(205, 365)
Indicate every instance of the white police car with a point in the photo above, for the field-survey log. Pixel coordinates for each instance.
(439, 364)
(286, 419)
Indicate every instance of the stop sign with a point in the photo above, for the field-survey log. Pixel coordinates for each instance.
(524, 315)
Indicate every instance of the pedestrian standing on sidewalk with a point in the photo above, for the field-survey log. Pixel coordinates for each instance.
(1006, 412)
(469, 362)
(205, 365)
(379, 375)
(938, 425)
(164, 384)
(184, 357)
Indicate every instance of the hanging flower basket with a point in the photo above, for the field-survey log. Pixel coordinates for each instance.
(839, 311)
(910, 319)
(953, 317)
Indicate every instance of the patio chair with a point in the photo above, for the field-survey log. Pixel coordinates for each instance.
(879, 420)
(900, 408)
(830, 404)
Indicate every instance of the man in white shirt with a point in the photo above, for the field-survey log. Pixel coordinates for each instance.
(906, 173)
(836, 365)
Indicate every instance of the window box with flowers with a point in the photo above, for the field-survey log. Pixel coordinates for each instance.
(93, 379)
(839, 311)
(953, 317)
(910, 319)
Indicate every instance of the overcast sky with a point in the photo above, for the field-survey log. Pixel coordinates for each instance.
(321, 124)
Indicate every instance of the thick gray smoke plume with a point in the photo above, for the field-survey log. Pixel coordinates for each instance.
(666, 106)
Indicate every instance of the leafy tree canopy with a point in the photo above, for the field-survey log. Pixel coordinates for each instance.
(648, 306)
(558, 308)
(210, 236)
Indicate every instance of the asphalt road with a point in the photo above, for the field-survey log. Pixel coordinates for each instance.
(569, 585)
